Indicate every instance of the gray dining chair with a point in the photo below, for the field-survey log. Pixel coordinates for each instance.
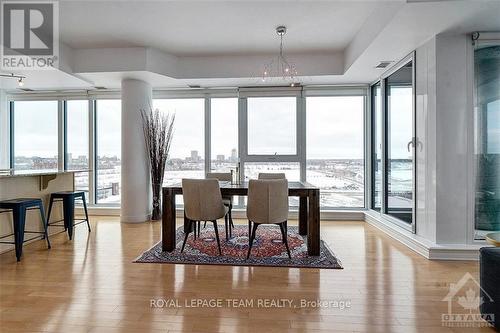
(267, 204)
(227, 200)
(263, 175)
(202, 202)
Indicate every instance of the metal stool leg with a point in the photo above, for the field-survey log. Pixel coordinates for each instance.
(85, 211)
(69, 214)
(19, 219)
(44, 222)
(51, 202)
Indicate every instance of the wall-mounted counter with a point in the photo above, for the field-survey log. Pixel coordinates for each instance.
(33, 184)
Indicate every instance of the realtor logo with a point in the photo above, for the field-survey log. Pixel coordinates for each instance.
(30, 35)
(464, 300)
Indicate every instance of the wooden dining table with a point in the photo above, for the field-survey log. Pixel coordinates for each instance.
(309, 219)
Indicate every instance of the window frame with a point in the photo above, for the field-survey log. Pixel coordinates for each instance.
(93, 144)
(208, 129)
(383, 92)
(482, 38)
(60, 128)
(354, 91)
(373, 148)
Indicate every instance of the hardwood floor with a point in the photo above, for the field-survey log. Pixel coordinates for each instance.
(91, 285)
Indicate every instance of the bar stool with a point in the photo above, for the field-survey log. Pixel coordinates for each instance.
(18, 207)
(68, 200)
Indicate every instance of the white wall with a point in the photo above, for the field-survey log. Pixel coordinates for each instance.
(444, 106)
(4, 131)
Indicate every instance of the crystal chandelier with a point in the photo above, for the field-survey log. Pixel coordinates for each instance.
(280, 66)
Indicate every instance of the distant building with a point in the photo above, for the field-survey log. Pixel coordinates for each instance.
(220, 158)
(194, 156)
(234, 155)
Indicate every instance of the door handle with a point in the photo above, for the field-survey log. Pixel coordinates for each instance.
(410, 144)
(414, 143)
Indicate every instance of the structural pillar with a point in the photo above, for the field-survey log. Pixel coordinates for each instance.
(4, 132)
(136, 202)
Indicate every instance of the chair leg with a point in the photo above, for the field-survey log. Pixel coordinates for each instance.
(217, 236)
(44, 223)
(252, 237)
(199, 229)
(205, 225)
(231, 215)
(285, 240)
(226, 224)
(85, 211)
(186, 235)
(193, 227)
(249, 229)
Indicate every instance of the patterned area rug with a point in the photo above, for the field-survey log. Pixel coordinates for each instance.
(267, 250)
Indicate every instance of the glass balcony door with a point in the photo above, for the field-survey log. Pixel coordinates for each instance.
(399, 144)
(393, 145)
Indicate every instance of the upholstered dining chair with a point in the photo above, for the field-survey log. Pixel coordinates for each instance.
(263, 175)
(202, 202)
(267, 204)
(227, 200)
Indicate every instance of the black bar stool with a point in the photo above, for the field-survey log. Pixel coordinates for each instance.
(68, 200)
(18, 207)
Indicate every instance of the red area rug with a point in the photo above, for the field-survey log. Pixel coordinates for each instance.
(267, 250)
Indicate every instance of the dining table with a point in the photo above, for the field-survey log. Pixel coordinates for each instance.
(309, 215)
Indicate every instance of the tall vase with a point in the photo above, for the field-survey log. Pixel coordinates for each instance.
(156, 213)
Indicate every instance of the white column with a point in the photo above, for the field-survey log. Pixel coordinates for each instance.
(135, 180)
(4, 132)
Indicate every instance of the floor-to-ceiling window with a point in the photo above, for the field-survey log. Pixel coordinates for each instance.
(187, 150)
(487, 137)
(264, 129)
(335, 149)
(35, 134)
(399, 143)
(223, 134)
(77, 141)
(108, 151)
(376, 147)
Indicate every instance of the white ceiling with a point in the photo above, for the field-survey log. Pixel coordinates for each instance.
(213, 27)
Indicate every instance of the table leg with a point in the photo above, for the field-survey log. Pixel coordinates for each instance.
(303, 216)
(168, 221)
(313, 237)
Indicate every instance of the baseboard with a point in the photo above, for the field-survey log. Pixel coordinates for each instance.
(403, 236)
(422, 246)
(470, 253)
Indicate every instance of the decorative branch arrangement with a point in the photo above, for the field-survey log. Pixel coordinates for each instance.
(158, 133)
